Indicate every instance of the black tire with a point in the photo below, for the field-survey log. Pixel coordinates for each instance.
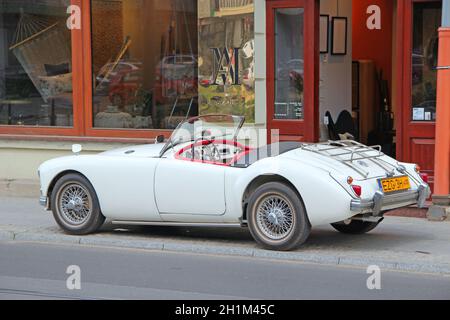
(260, 225)
(92, 220)
(355, 227)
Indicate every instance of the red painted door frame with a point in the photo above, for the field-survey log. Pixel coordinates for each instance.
(415, 140)
(308, 128)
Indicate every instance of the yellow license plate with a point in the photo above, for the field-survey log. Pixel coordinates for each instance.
(394, 184)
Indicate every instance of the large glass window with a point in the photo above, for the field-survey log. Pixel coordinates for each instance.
(35, 64)
(289, 64)
(144, 57)
(426, 21)
(227, 57)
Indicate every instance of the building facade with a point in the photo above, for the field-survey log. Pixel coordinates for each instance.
(106, 73)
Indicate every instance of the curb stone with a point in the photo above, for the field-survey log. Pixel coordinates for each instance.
(50, 238)
(122, 243)
(6, 235)
(368, 262)
(207, 249)
(297, 256)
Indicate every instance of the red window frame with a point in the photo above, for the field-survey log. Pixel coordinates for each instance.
(82, 96)
(77, 85)
(306, 129)
(414, 139)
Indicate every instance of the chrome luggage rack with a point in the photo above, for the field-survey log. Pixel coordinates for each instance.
(355, 151)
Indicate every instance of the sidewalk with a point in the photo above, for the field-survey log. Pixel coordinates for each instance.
(406, 244)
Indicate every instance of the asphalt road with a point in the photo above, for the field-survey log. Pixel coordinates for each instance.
(38, 271)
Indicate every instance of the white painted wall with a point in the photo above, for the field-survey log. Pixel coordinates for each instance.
(260, 63)
(335, 94)
(255, 135)
(20, 159)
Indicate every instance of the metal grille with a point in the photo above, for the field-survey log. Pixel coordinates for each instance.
(348, 152)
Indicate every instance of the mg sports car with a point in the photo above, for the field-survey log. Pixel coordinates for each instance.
(203, 176)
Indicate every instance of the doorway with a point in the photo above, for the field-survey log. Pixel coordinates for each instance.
(399, 112)
(417, 97)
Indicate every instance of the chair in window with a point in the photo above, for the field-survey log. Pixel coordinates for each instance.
(343, 129)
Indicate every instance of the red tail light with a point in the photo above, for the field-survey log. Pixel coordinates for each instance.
(357, 190)
(424, 177)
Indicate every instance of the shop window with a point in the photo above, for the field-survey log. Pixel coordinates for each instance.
(289, 64)
(226, 63)
(426, 21)
(35, 64)
(145, 63)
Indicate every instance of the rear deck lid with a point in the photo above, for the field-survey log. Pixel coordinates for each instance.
(349, 158)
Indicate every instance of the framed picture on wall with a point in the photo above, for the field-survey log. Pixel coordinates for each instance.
(324, 33)
(339, 36)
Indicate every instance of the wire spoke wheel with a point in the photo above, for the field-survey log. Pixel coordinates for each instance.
(275, 216)
(74, 204)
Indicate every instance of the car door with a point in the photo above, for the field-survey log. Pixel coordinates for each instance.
(189, 187)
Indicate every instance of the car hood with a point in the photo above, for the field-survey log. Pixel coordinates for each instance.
(139, 151)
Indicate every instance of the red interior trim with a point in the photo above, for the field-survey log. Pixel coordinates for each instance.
(246, 150)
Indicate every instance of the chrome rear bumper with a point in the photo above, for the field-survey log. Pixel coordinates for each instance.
(382, 202)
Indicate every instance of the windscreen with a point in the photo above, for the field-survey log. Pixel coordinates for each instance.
(210, 127)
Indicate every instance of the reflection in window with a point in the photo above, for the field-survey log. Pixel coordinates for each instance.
(35, 64)
(427, 19)
(227, 52)
(289, 64)
(144, 63)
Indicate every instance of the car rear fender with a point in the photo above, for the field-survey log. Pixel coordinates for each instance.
(324, 199)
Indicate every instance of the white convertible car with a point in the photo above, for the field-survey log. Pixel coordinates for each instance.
(203, 177)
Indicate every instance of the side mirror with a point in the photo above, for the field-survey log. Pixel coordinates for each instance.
(159, 139)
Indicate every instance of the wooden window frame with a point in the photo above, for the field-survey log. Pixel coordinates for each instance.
(77, 85)
(410, 134)
(82, 96)
(306, 129)
(405, 126)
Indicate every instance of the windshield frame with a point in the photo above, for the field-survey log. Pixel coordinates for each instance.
(170, 144)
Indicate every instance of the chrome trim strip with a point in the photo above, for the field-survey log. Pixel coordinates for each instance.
(176, 224)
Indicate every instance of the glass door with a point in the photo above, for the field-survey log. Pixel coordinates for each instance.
(291, 74)
(289, 64)
(418, 108)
